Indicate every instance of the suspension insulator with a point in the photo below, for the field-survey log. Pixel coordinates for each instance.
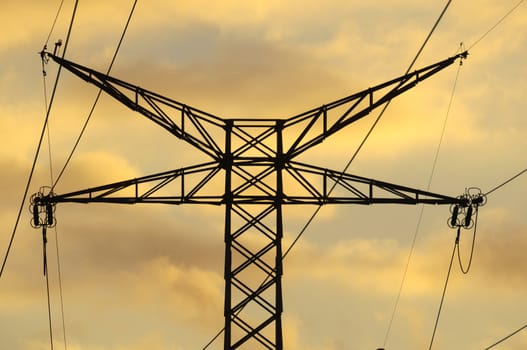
(468, 216)
(36, 217)
(453, 220)
(49, 214)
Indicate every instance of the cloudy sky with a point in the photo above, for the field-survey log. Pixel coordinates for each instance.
(148, 276)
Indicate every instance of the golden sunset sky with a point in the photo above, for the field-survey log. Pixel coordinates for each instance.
(151, 276)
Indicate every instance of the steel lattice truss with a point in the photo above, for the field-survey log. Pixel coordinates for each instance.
(253, 173)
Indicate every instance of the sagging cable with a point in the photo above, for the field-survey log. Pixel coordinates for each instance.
(44, 245)
(465, 216)
(467, 269)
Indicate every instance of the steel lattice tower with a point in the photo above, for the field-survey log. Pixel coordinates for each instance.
(253, 173)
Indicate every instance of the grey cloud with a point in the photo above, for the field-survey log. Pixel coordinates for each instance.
(500, 254)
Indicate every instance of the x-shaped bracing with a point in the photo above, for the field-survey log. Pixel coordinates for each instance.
(253, 173)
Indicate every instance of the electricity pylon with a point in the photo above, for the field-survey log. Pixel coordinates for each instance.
(253, 173)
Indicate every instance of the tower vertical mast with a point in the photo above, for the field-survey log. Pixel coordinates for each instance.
(253, 234)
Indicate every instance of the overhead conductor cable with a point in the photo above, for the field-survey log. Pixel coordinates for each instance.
(315, 213)
(39, 145)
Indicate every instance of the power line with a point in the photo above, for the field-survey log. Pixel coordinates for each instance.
(62, 171)
(497, 24)
(366, 137)
(435, 160)
(96, 98)
(317, 210)
(39, 145)
(59, 274)
(463, 270)
(46, 126)
(429, 35)
(507, 337)
(506, 182)
(54, 22)
(421, 212)
(429, 180)
(444, 289)
(46, 275)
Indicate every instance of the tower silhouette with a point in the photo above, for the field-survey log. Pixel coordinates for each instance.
(253, 173)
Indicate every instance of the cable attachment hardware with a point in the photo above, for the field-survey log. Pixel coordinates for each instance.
(42, 209)
(463, 212)
(58, 44)
(464, 53)
(45, 59)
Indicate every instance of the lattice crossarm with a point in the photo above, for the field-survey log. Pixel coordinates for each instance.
(187, 183)
(330, 186)
(319, 123)
(196, 127)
